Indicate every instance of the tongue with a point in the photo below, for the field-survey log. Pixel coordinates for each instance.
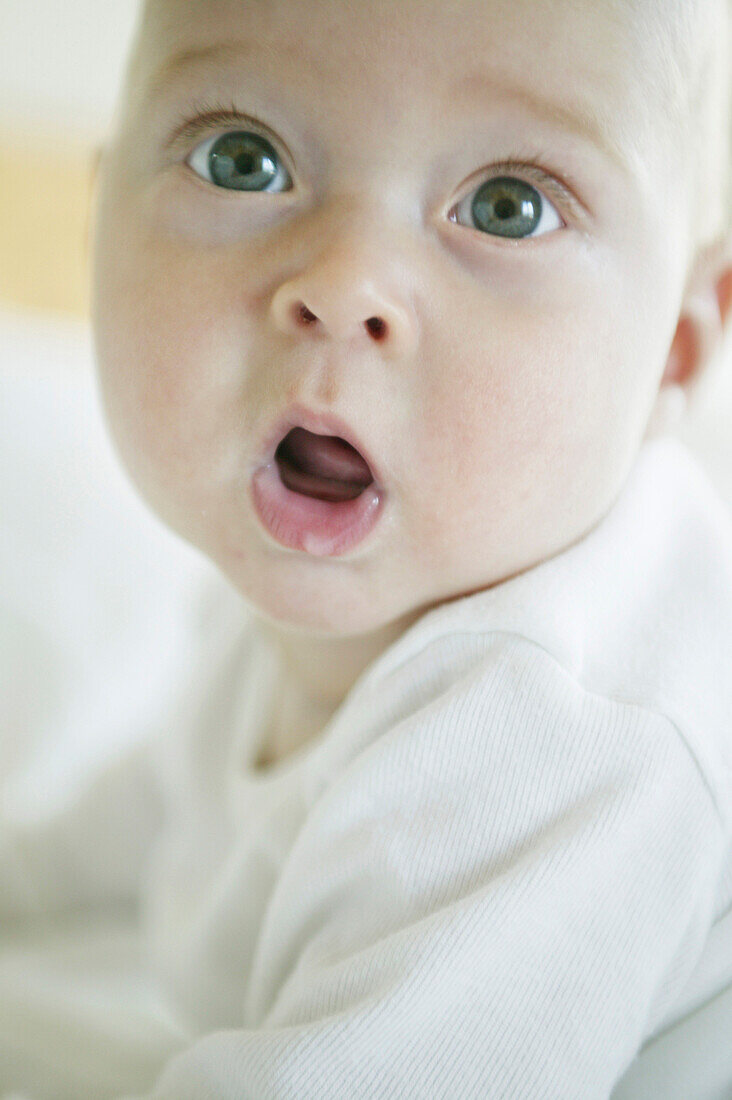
(322, 466)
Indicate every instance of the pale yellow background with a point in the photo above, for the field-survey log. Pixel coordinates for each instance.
(61, 65)
(45, 189)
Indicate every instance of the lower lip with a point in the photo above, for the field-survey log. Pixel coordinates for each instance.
(322, 528)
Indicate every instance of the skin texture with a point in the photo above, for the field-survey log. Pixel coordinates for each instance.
(516, 380)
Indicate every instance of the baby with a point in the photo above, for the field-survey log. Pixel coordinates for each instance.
(396, 306)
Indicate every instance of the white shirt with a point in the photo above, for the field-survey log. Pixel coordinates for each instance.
(502, 869)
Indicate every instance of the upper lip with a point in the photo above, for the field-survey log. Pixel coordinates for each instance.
(321, 423)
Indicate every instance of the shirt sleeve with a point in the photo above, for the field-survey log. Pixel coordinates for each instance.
(500, 896)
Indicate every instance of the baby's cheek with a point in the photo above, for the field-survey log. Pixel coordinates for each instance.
(158, 405)
(174, 366)
(525, 446)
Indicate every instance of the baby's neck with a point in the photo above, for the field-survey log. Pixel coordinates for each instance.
(323, 670)
(316, 675)
(293, 721)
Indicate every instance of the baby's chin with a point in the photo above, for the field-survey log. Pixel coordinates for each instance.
(323, 603)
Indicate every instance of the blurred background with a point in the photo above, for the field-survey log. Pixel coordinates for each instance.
(61, 63)
(96, 596)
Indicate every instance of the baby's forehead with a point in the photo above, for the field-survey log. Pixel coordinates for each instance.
(656, 21)
(621, 64)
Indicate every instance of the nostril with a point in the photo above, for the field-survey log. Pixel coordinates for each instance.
(375, 325)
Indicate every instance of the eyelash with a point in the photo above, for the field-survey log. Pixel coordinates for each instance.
(215, 115)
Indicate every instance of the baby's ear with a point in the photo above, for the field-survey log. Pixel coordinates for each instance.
(704, 320)
(704, 316)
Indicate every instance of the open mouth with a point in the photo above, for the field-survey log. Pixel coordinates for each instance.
(325, 467)
(313, 492)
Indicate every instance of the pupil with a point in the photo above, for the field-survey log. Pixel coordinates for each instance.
(504, 209)
(244, 163)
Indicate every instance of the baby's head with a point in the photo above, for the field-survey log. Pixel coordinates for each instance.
(490, 237)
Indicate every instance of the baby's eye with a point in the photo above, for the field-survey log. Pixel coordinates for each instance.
(505, 206)
(240, 160)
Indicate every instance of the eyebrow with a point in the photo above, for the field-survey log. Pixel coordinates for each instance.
(174, 67)
(582, 120)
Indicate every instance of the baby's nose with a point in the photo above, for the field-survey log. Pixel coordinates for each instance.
(356, 290)
(345, 317)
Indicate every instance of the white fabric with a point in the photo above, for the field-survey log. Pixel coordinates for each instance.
(503, 869)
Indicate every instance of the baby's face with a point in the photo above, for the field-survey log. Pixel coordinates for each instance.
(524, 310)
